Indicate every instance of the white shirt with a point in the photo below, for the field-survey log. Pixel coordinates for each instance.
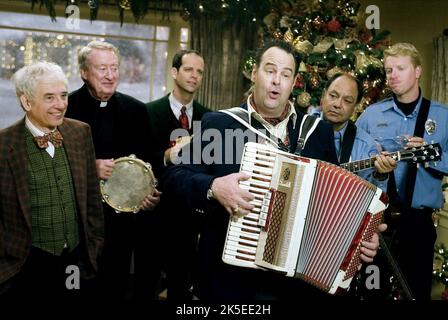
(39, 133)
(176, 106)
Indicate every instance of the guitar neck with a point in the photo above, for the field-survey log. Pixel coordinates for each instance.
(403, 284)
(359, 165)
(425, 153)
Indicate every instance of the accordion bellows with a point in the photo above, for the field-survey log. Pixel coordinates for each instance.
(309, 218)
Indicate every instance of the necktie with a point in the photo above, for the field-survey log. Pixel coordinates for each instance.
(337, 143)
(54, 137)
(183, 118)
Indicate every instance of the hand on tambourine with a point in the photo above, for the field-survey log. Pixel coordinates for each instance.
(151, 201)
(104, 168)
(370, 248)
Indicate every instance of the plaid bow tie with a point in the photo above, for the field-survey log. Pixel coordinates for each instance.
(54, 137)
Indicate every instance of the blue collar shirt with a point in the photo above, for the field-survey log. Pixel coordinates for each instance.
(384, 121)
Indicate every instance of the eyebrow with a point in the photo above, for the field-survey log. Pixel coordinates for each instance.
(54, 93)
(274, 65)
(341, 95)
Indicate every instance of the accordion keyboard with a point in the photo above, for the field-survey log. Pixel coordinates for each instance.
(244, 232)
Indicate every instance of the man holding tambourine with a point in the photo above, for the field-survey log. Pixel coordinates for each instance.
(119, 128)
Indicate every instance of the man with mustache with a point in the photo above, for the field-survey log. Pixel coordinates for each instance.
(214, 187)
(341, 95)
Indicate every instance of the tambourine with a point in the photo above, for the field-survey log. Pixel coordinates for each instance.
(130, 182)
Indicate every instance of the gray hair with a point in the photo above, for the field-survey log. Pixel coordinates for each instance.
(26, 78)
(100, 45)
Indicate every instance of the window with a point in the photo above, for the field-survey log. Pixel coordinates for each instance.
(25, 38)
(184, 38)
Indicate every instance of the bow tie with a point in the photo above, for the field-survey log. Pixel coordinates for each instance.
(54, 137)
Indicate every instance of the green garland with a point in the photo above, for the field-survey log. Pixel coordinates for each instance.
(230, 11)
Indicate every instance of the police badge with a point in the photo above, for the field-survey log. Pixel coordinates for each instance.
(430, 126)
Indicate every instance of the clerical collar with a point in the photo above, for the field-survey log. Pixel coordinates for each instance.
(407, 108)
(103, 104)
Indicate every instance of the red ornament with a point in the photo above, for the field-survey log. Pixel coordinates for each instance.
(365, 36)
(334, 25)
(300, 84)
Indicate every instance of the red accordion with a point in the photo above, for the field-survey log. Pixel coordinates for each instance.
(309, 218)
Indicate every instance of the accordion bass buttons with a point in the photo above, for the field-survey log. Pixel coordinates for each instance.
(264, 209)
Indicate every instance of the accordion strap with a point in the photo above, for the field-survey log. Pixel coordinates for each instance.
(347, 142)
(412, 168)
(307, 127)
(242, 116)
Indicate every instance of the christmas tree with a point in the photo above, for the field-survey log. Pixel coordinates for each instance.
(331, 37)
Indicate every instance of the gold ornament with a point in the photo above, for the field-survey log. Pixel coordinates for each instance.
(332, 72)
(125, 4)
(341, 44)
(312, 5)
(288, 37)
(248, 67)
(303, 47)
(324, 45)
(303, 100)
(302, 67)
(363, 61)
(285, 22)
